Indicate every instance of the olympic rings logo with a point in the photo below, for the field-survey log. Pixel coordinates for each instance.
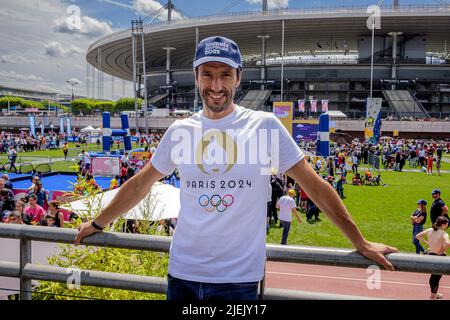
(215, 202)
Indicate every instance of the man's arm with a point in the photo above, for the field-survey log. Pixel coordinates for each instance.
(129, 194)
(444, 210)
(326, 198)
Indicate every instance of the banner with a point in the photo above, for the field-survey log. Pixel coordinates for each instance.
(61, 125)
(313, 105)
(301, 105)
(305, 131)
(42, 128)
(281, 111)
(372, 124)
(324, 106)
(69, 131)
(32, 126)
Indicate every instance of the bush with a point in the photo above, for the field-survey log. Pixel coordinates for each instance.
(114, 260)
(16, 101)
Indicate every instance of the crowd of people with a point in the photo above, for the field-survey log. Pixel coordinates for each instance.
(33, 207)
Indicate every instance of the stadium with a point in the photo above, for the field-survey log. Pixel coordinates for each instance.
(293, 54)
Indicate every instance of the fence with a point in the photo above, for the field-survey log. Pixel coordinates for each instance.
(27, 271)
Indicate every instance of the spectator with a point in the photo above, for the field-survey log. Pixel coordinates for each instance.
(34, 211)
(55, 211)
(125, 159)
(50, 221)
(438, 242)
(6, 201)
(123, 173)
(312, 210)
(340, 186)
(41, 194)
(12, 156)
(2, 186)
(287, 207)
(114, 183)
(7, 183)
(20, 207)
(418, 219)
(15, 218)
(65, 150)
(438, 207)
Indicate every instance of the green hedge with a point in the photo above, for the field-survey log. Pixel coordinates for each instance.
(24, 103)
(90, 105)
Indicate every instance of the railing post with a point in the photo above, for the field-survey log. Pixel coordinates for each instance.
(25, 258)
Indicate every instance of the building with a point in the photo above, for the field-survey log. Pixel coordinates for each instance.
(327, 55)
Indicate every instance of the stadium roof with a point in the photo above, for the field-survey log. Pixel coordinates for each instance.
(336, 29)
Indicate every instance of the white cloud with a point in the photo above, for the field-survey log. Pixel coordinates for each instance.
(89, 27)
(15, 59)
(272, 4)
(148, 8)
(12, 75)
(55, 49)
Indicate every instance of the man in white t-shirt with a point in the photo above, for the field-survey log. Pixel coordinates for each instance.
(225, 155)
(287, 207)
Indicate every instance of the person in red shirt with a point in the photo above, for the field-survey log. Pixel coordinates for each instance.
(430, 163)
(123, 173)
(35, 212)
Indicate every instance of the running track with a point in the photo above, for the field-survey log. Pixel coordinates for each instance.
(351, 281)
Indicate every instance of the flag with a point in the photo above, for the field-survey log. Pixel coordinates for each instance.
(313, 105)
(324, 106)
(42, 128)
(69, 131)
(301, 105)
(61, 125)
(32, 126)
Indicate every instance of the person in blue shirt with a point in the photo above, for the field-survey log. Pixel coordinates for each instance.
(418, 219)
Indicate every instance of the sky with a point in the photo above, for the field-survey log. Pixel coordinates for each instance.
(44, 42)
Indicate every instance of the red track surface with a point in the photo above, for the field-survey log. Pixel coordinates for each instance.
(351, 281)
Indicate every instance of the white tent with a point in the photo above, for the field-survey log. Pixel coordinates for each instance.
(336, 114)
(163, 202)
(88, 129)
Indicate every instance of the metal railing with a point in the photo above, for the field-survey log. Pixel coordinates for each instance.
(27, 271)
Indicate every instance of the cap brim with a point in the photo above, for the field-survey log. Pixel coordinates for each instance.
(227, 61)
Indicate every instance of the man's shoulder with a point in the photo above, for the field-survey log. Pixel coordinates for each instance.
(255, 114)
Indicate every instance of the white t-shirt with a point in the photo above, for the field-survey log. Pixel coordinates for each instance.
(286, 205)
(86, 158)
(221, 227)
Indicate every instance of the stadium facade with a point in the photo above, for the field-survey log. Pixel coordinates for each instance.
(320, 53)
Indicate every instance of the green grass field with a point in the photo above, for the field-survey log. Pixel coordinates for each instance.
(382, 213)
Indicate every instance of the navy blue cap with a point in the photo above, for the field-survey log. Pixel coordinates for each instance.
(436, 191)
(218, 49)
(421, 201)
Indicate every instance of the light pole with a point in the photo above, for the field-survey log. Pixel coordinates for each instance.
(137, 28)
(72, 82)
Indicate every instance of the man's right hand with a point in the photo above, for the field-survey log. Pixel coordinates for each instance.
(84, 230)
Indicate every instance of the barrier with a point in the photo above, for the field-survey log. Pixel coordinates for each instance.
(105, 166)
(27, 271)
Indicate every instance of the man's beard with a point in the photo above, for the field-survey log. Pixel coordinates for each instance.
(216, 108)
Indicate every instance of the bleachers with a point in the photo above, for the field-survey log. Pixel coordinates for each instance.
(405, 104)
(255, 99)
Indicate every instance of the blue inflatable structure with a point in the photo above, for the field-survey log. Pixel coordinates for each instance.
(323, 136)
(108, 133)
